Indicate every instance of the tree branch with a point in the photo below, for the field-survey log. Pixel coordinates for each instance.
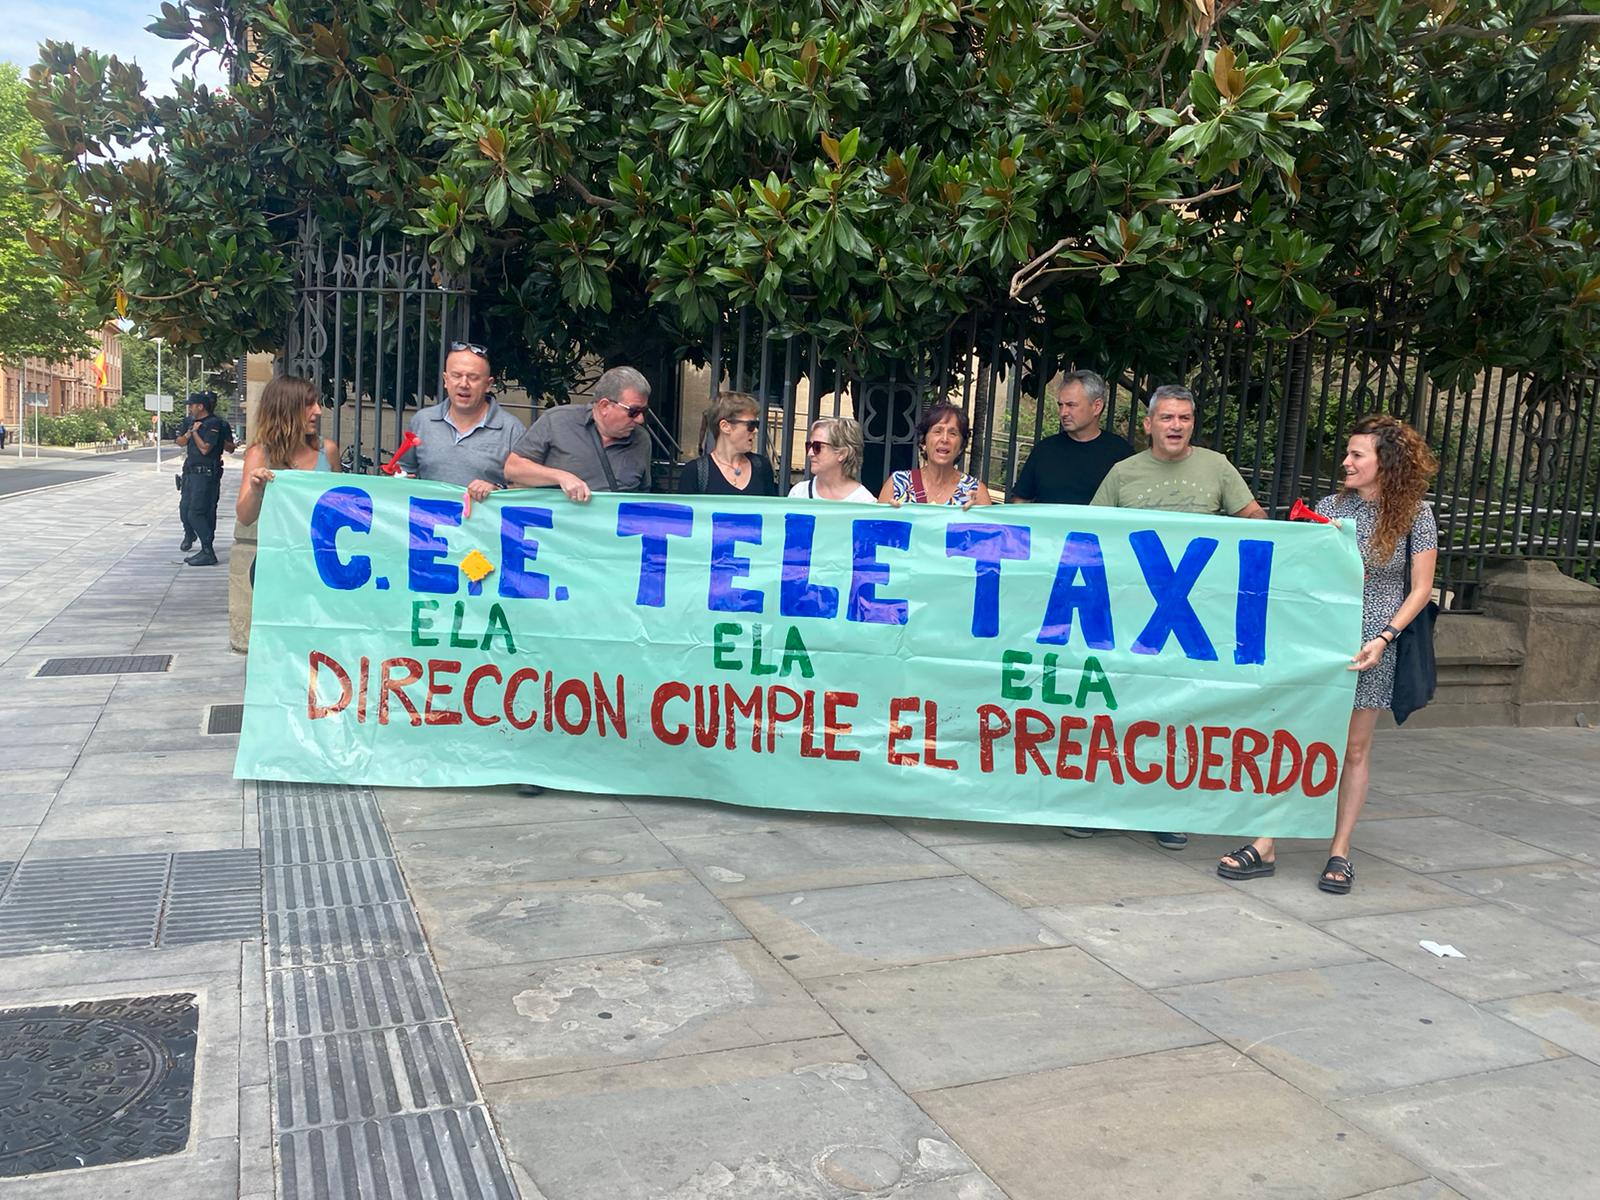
(1475, 34)
(588, 197)
(1179, 201)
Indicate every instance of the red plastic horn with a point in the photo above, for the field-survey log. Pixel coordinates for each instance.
(1301, 513)
(407, 442)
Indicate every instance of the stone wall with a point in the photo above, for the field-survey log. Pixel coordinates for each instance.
(1532, 657)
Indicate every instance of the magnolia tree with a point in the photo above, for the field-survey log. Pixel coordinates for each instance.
(35, 319)
(869, 172)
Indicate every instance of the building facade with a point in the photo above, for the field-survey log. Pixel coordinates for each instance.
(92, 381)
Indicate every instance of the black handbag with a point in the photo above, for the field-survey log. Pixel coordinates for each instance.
(1416, 673)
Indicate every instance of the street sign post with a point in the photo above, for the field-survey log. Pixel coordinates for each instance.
(35, 401)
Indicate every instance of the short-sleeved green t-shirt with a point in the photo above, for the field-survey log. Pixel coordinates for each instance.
(1204, 482)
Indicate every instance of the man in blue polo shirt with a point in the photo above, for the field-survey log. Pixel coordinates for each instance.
(464, 439)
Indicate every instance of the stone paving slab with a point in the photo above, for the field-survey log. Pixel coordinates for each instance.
(1569, 1019)
(811, 1120)
(533, 1019)
(1563, 894)
(1381, 887)
(1167, 940)
(1337, 1032)
(1507, 954)
(554, 850)
(937, 1025)
(826, 853)
(409, 809)
(488, 926)
(1062, 871)
(674, 817)
(1433, 844)
(1504, 1135)
(1423, 1189)
(1175, 1125)
(839, 930)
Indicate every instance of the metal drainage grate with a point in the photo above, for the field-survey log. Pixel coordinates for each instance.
(101, 1081)
(130, 901)
(114, 664)
(225, 718)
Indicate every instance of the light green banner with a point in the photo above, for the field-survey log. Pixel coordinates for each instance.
(1030, 663)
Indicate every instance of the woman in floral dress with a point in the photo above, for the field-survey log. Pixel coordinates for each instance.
(1387, 467)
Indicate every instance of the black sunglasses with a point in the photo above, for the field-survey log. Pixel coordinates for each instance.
(817, 447)
(750, 423)
(472, 348)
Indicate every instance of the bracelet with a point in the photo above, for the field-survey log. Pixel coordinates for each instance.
(1390, 629)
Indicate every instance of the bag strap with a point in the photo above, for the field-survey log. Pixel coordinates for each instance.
(702, 471)
(811, 487)
(605, 459)
(918, 492)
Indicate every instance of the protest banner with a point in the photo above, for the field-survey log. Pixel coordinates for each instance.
(1034, 664)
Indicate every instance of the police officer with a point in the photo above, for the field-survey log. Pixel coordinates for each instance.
(205, 435)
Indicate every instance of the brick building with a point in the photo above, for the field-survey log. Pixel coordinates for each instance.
(88, 382)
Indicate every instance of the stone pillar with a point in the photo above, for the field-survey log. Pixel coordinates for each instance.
(1559, 618)
(241, 556)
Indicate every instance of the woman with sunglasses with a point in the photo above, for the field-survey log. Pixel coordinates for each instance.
(942, 433)
(833, 451)
(729, 466)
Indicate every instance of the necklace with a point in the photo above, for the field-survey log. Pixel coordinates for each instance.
(727, 466)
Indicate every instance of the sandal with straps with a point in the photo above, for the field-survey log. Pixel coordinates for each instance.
(1344, 876)
(1251, 864)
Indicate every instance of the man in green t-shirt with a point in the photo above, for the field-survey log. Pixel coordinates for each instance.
(1175, 475)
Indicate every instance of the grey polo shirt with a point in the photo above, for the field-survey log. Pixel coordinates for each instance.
(563, 439)
(450, 456)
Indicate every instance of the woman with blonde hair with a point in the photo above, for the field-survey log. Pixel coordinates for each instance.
(285, 424)
(729, 465)
(1387, 467)
(833, 452)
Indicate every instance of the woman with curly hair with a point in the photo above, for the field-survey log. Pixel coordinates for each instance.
(1387, 467)
(284, 429)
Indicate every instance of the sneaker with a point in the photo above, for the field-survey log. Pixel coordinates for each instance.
(1171, 841)
(1076, 831)
(529, 789)
(204, 559)
(186, 545)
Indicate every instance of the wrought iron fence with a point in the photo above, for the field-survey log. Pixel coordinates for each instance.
(1519, 460)
(370, 327)
(1519, 465)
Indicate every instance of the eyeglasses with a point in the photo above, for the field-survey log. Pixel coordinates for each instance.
(750, 423)
(817, 447)
(635, 411)
(471, 348)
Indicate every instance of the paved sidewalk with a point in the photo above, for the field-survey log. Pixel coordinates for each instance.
(469, 993)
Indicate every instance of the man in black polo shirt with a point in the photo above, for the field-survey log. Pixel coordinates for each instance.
(204, 438)
(1068, 467)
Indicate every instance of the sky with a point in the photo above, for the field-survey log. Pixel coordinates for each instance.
(109, 26)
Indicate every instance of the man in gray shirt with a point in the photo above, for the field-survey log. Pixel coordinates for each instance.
(584, 448)
(464, 439)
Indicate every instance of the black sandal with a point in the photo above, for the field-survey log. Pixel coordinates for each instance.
(1251, 864)
(1344, 876)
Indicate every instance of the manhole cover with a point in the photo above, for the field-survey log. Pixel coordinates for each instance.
(102, 1081)
(225, 718)
(120, 664)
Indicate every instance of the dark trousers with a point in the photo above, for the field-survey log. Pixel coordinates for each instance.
(201, 487)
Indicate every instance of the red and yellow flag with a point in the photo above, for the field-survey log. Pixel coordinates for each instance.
(100, 369)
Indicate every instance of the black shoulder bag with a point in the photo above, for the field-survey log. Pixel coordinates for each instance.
(605, 459)
(1416, 674)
